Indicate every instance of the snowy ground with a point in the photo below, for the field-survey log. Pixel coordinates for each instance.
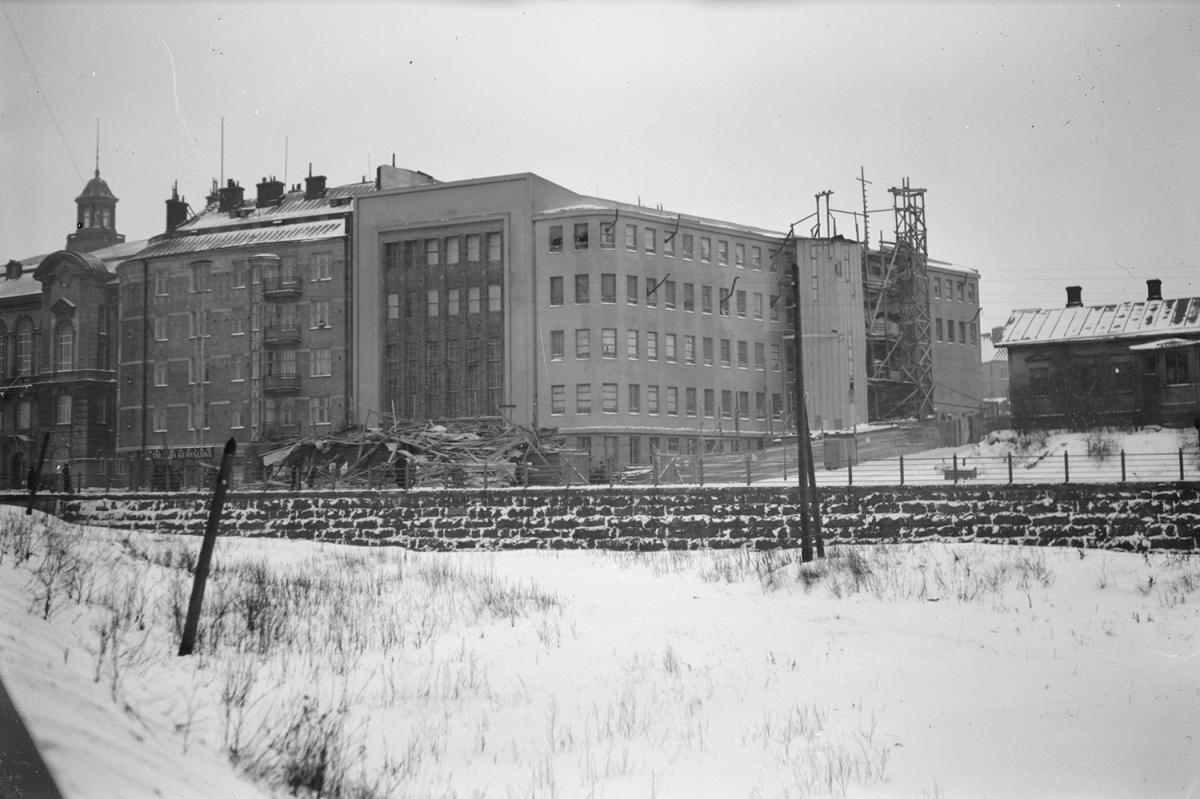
(1151, 454)
(913, 671)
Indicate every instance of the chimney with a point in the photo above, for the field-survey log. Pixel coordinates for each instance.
(177, 209)
(270, 192)
(1074, 296)
(1153, 290)
(997, 335)
(314, 185)
(213, 196)
(231, 196)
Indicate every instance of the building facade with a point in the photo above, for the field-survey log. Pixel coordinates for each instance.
(235, 322)
(958, 386)
(58, 352)
(1080, 366)
(628, 330)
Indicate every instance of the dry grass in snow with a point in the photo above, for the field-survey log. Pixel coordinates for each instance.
(925, 670)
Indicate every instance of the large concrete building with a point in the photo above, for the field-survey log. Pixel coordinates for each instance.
(958, 385)
(627, 329)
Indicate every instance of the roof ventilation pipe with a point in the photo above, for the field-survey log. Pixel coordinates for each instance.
(1074, 296)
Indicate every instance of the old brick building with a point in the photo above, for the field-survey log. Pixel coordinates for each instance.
(234, 322)
(58, 351)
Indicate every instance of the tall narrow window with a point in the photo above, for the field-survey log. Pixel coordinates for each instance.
(65, 347)
(24, 347)
(65, 406)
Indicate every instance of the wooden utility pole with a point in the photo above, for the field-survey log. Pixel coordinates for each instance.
(206, 549)
(803, 449)
(35, 475)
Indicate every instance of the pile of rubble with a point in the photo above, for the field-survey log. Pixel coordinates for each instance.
(407, 454)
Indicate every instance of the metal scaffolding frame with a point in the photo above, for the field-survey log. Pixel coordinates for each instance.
(900, 379)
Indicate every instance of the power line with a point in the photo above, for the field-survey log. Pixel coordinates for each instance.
(41, 92)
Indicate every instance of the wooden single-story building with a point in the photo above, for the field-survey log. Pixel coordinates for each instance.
(1124, 364)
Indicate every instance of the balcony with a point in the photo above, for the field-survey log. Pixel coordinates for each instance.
(285, 383)
(281, 334)
(281, 287)
(273, 431)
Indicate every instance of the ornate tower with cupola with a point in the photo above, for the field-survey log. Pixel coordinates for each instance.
(95, 214)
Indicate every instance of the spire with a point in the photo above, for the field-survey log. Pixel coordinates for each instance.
(97, 146)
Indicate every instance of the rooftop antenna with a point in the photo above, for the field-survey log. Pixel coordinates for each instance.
(97, 147)
(285, 159)
(222, 183)
(862, 178)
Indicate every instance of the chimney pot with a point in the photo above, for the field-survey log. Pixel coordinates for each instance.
(1153, 290)
(314, 186)
(231, 196)
(1074, 296)
(176, 209)
(270, 192)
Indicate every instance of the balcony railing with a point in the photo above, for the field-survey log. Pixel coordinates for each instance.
(281, 334)
(280, 383)
(281, 286)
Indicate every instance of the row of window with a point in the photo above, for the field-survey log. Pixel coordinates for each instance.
(274, 413)
(666, 400)
(447, 250)
(673, 243)
(456, 302)
(272, 271)
(675, 445)
(945, 332)
(275, 363)
(64, 412)
(63, 352)
(275, 316)
(956, 290)
(672, 295)
(674, 348)
(1116, 374)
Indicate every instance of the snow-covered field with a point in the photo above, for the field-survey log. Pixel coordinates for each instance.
(1151, 454)
(911, 671)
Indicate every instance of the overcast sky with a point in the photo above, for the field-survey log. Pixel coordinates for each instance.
(1058, 144)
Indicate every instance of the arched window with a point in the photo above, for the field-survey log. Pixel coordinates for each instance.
(25, 347)
(64, 347)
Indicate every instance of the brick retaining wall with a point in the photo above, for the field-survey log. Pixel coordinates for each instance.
(1161, 516)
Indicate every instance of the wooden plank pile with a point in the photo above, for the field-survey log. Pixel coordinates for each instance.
(462, 453)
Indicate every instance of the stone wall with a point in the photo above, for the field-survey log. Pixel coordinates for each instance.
(1159, 516)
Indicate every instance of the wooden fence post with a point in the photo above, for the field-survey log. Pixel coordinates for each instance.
(206, 550)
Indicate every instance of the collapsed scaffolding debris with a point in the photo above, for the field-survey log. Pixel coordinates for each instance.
(454, 454)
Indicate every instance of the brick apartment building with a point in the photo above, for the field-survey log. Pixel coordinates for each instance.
(234, 322)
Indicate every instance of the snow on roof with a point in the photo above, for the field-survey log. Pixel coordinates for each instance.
(293, 206)
(1176, 317)
(249, 237)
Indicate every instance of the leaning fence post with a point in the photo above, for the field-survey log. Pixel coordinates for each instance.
(902, 470)
(1122, 466)
(206, 550)
(1009, 468)
(700, 460)
(955, 467)
(850, 472)
(1181, 464)
(748, 466)
(1066, 467)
